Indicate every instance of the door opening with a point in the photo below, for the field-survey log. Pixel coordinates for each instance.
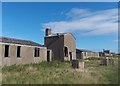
(48, 55)
(70, 56)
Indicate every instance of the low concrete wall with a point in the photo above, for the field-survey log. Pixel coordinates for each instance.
(107, 61)
(78, 64)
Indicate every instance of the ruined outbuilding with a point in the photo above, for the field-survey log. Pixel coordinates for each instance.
(83, 54)
(105, 53)
(16, 51)
(63, 45)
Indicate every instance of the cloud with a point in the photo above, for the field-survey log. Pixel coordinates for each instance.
(116, 40)
(87, 22)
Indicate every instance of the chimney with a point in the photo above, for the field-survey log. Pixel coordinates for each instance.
(48, 31)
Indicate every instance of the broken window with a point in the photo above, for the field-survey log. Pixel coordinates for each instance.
(18, 51)
(36, 53)
(66, 51)
(6, 54)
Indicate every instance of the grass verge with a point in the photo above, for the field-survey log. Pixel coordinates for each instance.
(61, 73)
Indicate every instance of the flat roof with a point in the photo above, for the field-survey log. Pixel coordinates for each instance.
(56, 34)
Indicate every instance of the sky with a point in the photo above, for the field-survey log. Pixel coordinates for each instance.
(60, 0)
(94, 24)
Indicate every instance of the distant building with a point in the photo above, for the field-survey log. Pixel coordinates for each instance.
(63, 45)
(15, 51)
(105, 53)
(83, 54)
(101, 54)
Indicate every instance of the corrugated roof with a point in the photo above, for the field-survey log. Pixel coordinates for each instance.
(18, 41)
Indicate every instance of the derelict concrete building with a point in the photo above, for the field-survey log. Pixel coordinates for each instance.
(83, 54)
(63, 45)
(106, 53)
(15, 51)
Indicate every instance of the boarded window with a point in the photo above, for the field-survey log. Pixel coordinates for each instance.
(18, 51)
(6, 54)
(36, 52)
(66, 51)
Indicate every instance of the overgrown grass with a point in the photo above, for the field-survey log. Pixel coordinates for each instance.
(93, 58)
(60, 73)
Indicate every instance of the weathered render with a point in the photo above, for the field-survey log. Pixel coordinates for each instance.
(83, 54)
(26, 52)
(63, 45)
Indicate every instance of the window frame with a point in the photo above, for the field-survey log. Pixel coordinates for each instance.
(36, 52)
(18, 51)
(6, 51)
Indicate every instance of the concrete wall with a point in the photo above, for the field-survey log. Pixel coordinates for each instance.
(86, 54)
(79, 55)
(26, 55)
(1, 51)
(90, 54)
(70, 43)
(56, 44)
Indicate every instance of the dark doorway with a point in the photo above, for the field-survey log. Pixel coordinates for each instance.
(65, 51)
(48, 56)
(18, 51)
(70, 56)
